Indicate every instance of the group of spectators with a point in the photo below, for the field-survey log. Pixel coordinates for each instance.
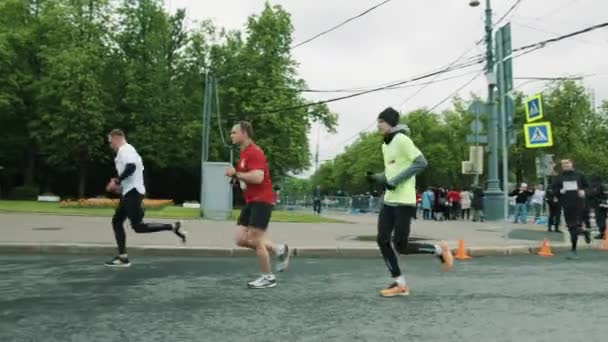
(442, 204)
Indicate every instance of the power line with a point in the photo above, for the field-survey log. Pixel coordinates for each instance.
(340, 24)
(539, 78)
(543, 43)
(390, 84)
(432, 81)
(442, 71)
(456, 91)
(517, 2)
(374, 122)
(531, 47)
(555, 10)
(526, 49)
(354, 90)
(352, 136)
(430, 110)
(538, 29)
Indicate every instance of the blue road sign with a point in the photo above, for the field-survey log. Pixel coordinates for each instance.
(477, 108)
(534, 108)
(538, 135)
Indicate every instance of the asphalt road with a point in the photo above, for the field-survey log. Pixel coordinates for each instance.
(68, 298)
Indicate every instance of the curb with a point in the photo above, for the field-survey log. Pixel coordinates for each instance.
(305, 252)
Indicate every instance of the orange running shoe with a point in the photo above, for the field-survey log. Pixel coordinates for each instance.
(447, 259)
(395, 290)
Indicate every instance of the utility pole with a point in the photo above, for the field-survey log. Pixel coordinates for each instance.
(493, 208)
(207, 91)
(317, 149)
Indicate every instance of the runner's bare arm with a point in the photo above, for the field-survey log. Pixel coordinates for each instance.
(251, 177)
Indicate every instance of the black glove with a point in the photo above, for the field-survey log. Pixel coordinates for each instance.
(389, 186)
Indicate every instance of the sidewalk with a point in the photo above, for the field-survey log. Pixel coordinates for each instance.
(73, 234)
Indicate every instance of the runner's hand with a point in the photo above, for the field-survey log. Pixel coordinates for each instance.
(229, 172)
(113, 186)
(389, 186)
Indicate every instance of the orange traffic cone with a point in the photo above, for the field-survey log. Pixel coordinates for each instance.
(461, 253)
(604, 244)
(545, 249)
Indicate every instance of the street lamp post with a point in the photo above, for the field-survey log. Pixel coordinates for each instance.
(494, 197)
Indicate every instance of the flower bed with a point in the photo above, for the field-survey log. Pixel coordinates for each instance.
(112, 203)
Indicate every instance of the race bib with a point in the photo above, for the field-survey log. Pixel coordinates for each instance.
(570, 186)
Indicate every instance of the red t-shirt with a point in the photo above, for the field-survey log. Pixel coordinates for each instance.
(454, 196)
(253, 158)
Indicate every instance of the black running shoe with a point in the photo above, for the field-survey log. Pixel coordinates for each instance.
(572, 256)
(118, 261)
(587, 234)
(179, 231)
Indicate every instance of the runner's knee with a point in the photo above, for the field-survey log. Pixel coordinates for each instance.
(116, 221)
(400, 245)
(383, 240)
(241, 242)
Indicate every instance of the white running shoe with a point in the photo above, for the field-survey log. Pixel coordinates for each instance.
(283, 259)
(262, 282)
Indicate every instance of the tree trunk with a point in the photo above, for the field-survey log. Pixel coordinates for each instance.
(82, 181)
(30, 169)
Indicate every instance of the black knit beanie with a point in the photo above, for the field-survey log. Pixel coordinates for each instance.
(390, 116)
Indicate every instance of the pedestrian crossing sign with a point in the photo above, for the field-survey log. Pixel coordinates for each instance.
(538, 135)
(534, 108)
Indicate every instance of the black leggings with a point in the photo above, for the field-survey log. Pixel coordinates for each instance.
(466, 213)
(130, 207)
(573, 214)
(600, 219)
(316, 206)
(555, 216)
(394, 224)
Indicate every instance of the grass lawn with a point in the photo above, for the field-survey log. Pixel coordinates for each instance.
(167, 212)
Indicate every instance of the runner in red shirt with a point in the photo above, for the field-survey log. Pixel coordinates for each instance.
(253, 176)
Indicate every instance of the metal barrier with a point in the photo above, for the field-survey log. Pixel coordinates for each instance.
(359, 203)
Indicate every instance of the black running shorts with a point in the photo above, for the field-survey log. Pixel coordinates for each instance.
(255, 215)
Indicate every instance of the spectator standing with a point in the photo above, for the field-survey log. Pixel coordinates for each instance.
(477, 204)
(522, 197)
(466, 198)
(538, 197)
(428, 198)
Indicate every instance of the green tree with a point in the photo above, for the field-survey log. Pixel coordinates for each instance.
(70, 128)
(257, 75)
(22, 34)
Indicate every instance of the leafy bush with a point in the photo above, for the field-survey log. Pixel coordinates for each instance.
(112, 203)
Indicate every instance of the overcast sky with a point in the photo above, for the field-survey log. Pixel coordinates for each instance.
(405, 38)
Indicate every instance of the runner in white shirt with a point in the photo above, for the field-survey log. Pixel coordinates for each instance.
(130, 184)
